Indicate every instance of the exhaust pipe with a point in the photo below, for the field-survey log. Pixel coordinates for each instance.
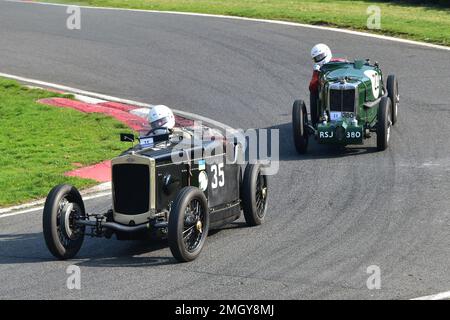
(120, 227)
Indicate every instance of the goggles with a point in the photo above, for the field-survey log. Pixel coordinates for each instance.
(319, 57)
(159, 123)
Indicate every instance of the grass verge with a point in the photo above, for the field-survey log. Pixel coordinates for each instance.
(39, 143)
(417, 22)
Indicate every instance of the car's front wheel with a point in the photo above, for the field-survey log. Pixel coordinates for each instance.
(299, 126)
(62, 235)
(188, 224)
(384, 124)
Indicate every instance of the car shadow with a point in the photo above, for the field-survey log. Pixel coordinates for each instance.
(31, 248)
(315, 150)
(23, 248)
(95, 252)
(127, 253)
(230, 226)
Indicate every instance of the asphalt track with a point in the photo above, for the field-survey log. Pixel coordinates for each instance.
(332, 213)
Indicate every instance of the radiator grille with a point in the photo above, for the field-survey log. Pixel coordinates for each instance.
(131, 183)
(342, 100)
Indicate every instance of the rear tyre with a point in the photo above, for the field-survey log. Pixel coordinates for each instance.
(62, 235)
(254, 195)
(299, 126)
(392, 89)
(384, 124)
(188, 224)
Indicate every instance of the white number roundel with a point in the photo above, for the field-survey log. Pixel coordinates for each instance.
(375, 80)
(203, 180)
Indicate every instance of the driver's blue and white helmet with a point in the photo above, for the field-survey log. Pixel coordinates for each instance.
(161, 116)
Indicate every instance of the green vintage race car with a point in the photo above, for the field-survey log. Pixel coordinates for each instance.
(352, 102)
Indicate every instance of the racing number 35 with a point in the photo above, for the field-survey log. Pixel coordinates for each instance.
(218, 176)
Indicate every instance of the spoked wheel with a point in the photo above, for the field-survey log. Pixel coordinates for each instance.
(63, 207)
(188, 224)
(254, 195)
(194, 219)
(384, 124)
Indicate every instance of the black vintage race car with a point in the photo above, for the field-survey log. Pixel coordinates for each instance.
(154, 195)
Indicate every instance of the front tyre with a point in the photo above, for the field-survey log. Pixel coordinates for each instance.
(392, 89)
(299, 126)
(254, 195)
(62, 235)
(384, 124)
(188, 224)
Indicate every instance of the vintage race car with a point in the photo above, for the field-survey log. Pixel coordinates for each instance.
(353, 101)
(176, 186)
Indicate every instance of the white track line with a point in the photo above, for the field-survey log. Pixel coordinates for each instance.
(87, 99)
(21, 207)
(286, 23)
(95, 196)
(102, 187)
(438, 296)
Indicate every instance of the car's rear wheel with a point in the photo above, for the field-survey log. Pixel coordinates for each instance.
(384, 124)
(254, 195)
(62, 235)
(299, 126)
(392, 89)
(188, 224)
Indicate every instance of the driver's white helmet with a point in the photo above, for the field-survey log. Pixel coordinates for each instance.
(161, 116)
(321, 54)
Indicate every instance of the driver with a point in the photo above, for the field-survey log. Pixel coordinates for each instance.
(161, 119)
(321, 55)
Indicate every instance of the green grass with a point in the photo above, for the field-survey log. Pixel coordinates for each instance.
(423, 23)
(38, 143)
